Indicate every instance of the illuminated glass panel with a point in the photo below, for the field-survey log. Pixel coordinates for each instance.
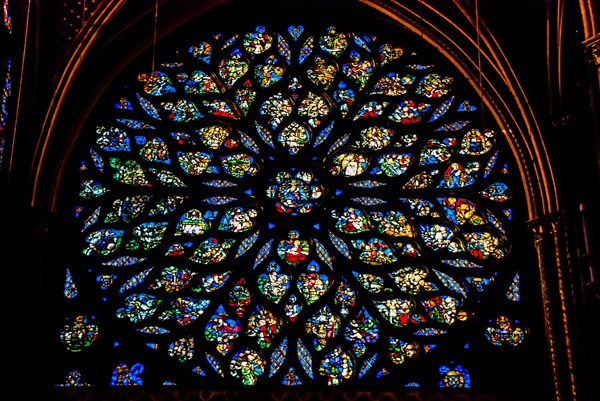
(5, 80)
(293, 208)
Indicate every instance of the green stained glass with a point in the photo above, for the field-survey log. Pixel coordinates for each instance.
(78, 334)
(505, 332)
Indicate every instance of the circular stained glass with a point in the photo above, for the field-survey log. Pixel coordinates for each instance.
(290, 208)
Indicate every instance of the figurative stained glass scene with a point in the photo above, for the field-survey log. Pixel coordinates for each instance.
(294, 209)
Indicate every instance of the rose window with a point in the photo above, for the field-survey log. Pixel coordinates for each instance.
(294, 193)
(288, 208)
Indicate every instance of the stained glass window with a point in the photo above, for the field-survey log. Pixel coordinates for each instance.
(291, 209)
(5, 77)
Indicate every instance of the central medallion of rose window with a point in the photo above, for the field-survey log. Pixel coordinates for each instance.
(296, 192)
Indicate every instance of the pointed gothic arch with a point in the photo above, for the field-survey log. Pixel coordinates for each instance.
(494, 82)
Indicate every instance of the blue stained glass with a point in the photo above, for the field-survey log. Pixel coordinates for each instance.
(339, 143)
(247, 244)
(323, 135)
(296, 31)
(305, 359)
(214, 363)
(263, 253)
(124, 375)
(219, 200)
(367, 365)
(306, 49)
(73, 379)
(363, 41)
(278, 357)
(70, 287)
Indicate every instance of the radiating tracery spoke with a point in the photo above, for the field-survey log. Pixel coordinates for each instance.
(315, 208)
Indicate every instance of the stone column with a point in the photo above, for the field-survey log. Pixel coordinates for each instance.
(557, 299)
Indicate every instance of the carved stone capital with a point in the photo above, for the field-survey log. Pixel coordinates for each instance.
(592, 47)
(545, 226)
